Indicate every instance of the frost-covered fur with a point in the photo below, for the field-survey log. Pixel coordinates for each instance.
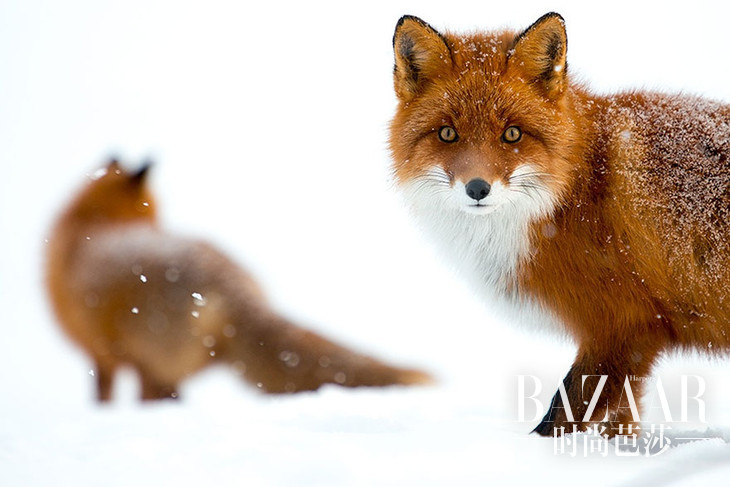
(612, 212)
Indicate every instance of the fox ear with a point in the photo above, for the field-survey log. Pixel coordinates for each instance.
(540, 53)
(113, 164)
(140, 174)
(421, 55)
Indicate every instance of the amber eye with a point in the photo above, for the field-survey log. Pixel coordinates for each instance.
(512, 134)
(448, 134)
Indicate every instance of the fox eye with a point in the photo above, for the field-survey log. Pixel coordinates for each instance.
(512, 134)
(448, 134)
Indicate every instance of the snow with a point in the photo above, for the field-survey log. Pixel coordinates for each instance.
(267, 125)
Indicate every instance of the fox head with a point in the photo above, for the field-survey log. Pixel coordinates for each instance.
(114, 196)
(484, 121)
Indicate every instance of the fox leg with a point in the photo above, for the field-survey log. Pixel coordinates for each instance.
(104, 381)
(153, 389)
(606, 371)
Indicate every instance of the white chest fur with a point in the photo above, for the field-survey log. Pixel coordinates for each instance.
(485, 249)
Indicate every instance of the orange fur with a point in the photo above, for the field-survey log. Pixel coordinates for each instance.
(130, 294)
(627, 243)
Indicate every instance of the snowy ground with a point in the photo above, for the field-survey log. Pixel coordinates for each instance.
(268, 124)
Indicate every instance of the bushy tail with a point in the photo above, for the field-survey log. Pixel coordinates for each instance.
(278, 356)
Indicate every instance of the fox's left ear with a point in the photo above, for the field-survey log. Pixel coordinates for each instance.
(540, 54)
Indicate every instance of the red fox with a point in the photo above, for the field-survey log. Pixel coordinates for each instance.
(608, 214)
(131, 294)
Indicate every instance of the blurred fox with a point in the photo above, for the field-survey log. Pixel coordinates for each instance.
(131, 294)
(609, 215)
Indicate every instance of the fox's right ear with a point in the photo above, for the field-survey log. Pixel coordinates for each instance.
(421, 55)
(140, 174)
(113, 164)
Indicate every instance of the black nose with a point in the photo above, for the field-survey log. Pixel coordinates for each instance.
(477, 189)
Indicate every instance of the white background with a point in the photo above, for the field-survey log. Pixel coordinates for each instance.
(268, 124)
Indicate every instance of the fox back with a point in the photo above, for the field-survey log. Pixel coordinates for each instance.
(605, 214)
